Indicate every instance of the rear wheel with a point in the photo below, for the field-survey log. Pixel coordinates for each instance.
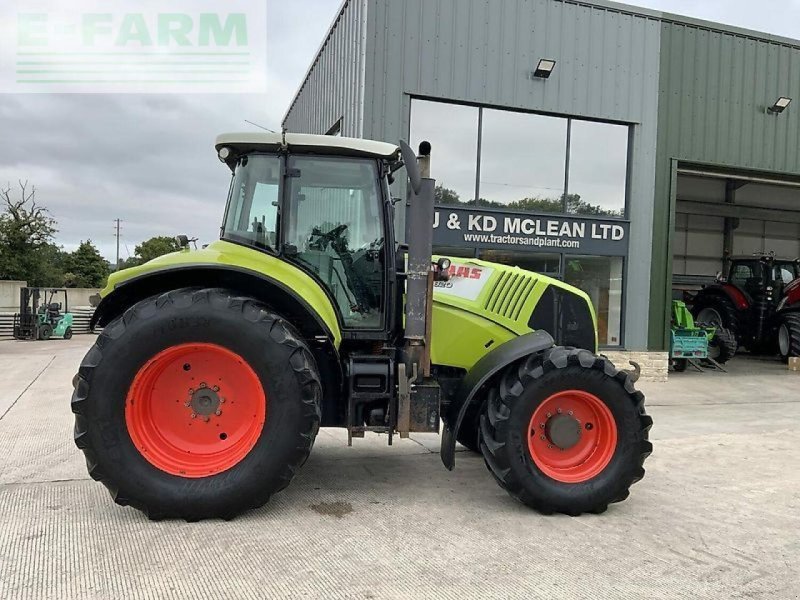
(68, 333)
(565, 431)
(789, 336)
(196, 404)
(716, 311)
(680, 365)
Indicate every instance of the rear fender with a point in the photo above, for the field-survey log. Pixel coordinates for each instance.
(279, 297)
(477, 381)
(737, 296)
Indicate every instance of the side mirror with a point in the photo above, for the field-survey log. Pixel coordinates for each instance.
(410, 161)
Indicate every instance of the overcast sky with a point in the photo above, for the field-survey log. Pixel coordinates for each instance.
(149, 159)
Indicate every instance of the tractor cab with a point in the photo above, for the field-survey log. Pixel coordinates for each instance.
(328, 214)
(43, 314)
(762, 275)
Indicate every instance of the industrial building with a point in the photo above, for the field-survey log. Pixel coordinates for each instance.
(624, 150)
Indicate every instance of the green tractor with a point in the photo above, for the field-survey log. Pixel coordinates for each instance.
(40, 317)
(216, 368)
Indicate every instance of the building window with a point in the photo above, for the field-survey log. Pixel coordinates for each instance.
(546, 264)
(601, 278)
(598, 168)
(452, 131)
(523, 161)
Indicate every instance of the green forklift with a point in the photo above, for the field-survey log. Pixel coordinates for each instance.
(41, 317)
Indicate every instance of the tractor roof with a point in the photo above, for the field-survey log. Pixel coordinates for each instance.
(241, 143)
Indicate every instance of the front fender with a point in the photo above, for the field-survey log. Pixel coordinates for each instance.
(477, 380)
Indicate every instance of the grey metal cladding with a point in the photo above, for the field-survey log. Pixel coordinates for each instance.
(485, 51)
(333, 87)
(715, 87)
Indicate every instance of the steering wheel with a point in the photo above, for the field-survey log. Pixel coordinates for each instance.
(323, 239)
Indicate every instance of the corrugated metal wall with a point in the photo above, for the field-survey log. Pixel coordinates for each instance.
(485, 51)
(334, 86)
(715, 86)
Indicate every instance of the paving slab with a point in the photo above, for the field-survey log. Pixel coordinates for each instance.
(715, 517)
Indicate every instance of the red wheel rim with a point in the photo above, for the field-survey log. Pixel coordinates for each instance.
(195, 410)
(588, 419)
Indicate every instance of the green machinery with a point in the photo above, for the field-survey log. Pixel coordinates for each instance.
(41, 317)
(216, 368)
(698, 343)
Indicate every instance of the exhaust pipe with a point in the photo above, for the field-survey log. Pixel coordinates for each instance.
(419, 237)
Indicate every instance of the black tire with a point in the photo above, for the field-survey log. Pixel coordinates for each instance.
(68, 333)
(272, 348)
(723, 306)
(45, 331)
(679, 365)
(723, 346)
(511, 404)
(469, 433)
(791, 322)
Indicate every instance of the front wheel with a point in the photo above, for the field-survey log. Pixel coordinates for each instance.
(789, 336)
(723, 346)
(196, 404)
(565, 431)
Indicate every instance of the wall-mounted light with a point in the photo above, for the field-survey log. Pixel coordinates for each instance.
(781, 104)
(545, 68)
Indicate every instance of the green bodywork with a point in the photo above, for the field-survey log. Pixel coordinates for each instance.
(472, 314)
(687, 340)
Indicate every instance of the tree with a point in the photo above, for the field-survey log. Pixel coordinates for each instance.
(155, 247)
(86, 267)
(26, 234)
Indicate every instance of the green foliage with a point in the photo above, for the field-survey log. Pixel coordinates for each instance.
(26, 234)
(155, 247)
(445, 195)
(86, 267)
(571, 204)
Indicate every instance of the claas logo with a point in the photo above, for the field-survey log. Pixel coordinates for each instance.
(465, 272)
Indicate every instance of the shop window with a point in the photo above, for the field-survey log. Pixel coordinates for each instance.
(454, 251)
(523, 161)
(598, 167)
(546, 264)
(601, 278)
(452, 131)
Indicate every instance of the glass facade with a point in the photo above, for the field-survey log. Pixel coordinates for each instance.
(517, 161)
(523, 161)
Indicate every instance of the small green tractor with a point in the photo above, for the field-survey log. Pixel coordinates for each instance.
(692, 342)
(216, 368)
(40, 317)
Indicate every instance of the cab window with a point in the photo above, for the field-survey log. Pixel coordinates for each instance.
(335, 229)
(252, 214)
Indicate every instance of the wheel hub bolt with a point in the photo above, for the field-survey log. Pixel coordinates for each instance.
(203, 385)
(215, 388)
(218, 413)
(194, 416)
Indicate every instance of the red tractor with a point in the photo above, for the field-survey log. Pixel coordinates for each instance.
(759, 301)
(789, 321)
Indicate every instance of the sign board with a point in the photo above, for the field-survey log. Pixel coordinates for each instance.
(514, 230)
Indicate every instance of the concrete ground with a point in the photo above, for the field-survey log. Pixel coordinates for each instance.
(715, 517)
